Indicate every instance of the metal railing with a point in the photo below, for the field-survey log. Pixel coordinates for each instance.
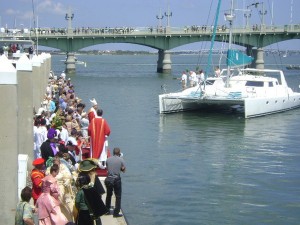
(125, 31)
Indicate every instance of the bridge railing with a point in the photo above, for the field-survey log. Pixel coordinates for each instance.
(107, 31)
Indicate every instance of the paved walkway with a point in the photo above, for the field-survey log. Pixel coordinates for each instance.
(109, 219)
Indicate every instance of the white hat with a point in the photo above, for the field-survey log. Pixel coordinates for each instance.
(94, 102)
(40, 111)
(71, 141)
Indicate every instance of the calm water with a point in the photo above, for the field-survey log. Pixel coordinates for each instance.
(193, 168)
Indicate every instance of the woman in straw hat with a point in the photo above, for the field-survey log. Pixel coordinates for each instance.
(88, 199)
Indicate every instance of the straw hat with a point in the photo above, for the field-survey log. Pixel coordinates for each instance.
(87, 165)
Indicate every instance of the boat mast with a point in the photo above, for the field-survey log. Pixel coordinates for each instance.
(208, 67)
(229, 17)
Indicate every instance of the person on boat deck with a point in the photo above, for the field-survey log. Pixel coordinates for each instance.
(98, 131)
(200, 77)
(193, 79)
(217, 71)
(92, 112)
(183, 80)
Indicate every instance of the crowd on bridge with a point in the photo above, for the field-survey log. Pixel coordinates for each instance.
(204, 28)
(110, 30)
(70, 146)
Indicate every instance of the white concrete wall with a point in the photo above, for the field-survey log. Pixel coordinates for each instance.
(18, 90)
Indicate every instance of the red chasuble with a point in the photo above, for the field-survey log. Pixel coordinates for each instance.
(97, 130)
(91, 114)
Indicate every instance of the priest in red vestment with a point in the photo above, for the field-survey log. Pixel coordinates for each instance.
(98, 131)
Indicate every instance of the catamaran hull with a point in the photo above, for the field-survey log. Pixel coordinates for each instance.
(251, 107)
(173, 104)
(264, 106)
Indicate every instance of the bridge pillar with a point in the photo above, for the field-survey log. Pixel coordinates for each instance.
(160, 61)
(259, 58)
(251, 52)
(164, 63)
(70, 63)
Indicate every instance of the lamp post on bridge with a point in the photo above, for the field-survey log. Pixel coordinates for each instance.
(69, 17)
(159, 17)
(258, 53)
(247, 15)
(168, 14)
(70, 61)
(263, 12)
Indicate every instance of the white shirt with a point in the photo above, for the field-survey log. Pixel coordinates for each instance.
(193, 78)
(184, 77)
(64, 135)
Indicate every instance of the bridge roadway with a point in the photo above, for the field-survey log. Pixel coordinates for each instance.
(164, 39)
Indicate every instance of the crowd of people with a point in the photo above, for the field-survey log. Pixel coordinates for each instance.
(65, 185)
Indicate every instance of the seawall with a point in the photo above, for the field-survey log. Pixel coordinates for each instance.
(22, 86)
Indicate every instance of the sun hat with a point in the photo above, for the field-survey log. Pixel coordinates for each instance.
(38, 161)
(87, 165)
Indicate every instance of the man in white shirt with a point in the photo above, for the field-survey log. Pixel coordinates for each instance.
(193, 79)
(183, 80)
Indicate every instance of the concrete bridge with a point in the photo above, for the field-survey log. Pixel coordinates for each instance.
(254, 38)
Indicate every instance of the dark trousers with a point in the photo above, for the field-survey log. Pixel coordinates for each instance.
(84, 218)
(117, 189)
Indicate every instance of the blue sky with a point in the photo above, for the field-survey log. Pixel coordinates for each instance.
(141, 13)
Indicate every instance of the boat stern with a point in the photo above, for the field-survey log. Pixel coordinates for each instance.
(168, 104)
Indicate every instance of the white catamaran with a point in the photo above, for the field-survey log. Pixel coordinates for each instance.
(255, 92)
